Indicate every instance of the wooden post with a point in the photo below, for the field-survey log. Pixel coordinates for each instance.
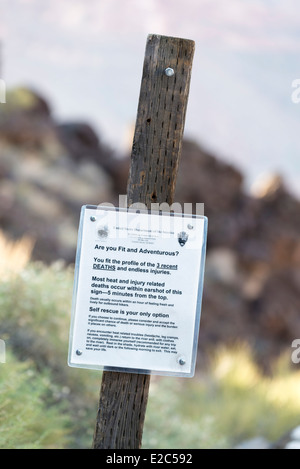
(154, 162)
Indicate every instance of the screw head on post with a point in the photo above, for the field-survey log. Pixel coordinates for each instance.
(169, 72)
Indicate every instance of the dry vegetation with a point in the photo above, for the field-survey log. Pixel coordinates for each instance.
(45, 404)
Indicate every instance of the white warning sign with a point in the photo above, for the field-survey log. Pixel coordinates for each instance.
(137, 291)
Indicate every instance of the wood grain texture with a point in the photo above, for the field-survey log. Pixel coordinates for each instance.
(160, 120)
(122, 408)
(154, 162)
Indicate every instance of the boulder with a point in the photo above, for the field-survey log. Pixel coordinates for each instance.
(42, 183)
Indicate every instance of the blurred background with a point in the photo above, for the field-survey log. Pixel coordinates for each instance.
(72, 71)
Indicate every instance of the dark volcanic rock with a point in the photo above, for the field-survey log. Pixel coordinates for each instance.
(42, 183)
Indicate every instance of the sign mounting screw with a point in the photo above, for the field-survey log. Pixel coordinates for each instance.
(93, 218)
(169, 72)
(78, 352)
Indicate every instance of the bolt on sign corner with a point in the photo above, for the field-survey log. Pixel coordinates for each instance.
(137, 291)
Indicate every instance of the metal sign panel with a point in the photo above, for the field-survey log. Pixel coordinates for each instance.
(137, 291)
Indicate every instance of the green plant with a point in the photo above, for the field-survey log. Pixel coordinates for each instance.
(35, 307)
(44, 403)
(28, 416)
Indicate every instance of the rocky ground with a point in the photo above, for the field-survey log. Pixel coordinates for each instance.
(252, 281)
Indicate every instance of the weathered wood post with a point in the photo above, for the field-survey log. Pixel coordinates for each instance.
(154, 162)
